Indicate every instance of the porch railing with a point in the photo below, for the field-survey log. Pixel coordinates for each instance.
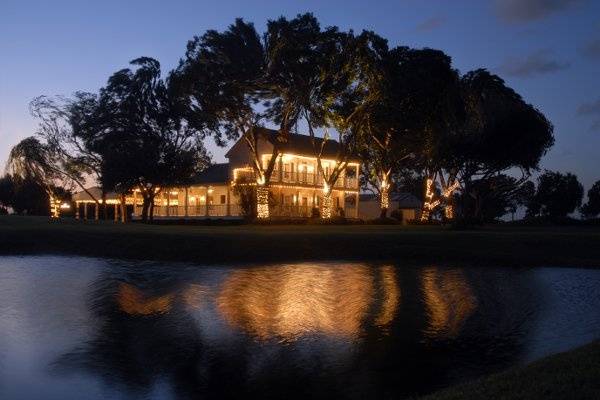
(301, 178)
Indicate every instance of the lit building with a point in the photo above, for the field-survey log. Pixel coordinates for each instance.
(296, 186)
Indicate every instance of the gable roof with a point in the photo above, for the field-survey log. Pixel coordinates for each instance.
(302, 144)
(216, 173)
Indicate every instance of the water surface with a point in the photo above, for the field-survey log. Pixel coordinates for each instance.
(82, 328)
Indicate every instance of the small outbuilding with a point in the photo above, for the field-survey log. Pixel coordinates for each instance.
(406, 203)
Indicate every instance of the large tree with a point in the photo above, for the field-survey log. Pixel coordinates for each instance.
(34, 161)
(138, 129)
(224, 77)
(311, 72)
(59, 131)
(500, 132)
(431, 116)
(591, 208)
(556, 195)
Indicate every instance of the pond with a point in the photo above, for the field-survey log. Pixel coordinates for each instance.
(82, 328)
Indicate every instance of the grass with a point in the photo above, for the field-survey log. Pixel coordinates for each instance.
(571, 375)
(490, 246)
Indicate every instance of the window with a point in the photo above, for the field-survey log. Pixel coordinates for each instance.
(223, 199)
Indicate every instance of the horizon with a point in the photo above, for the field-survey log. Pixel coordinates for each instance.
(547, 51)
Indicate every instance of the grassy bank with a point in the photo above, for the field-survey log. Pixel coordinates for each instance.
(501, 246)
(571, 375)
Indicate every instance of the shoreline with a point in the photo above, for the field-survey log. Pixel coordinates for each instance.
(497, 246)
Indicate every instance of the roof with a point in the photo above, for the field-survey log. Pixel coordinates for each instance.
(216, 173)
(404, 200)
(96, 192)
(302, 144)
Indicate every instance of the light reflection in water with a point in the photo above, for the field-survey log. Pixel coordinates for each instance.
(130, 331)
(449, 301)
(295, 300)
(132, 301)
(391, 299)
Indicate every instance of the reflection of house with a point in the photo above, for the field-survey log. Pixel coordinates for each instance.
(370, 207)
(295, 185)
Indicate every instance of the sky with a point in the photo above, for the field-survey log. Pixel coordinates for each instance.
(546, 50)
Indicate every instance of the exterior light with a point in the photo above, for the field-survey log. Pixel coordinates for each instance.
(65, 206)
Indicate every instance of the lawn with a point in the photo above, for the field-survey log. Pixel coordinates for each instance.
(490, 246)
(571, 375)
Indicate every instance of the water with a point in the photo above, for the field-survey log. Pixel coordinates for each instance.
(81, 328)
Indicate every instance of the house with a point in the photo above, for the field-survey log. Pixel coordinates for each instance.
(408, 204)
(295, 186)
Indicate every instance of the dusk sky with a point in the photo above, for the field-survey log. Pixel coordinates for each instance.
(547, 50)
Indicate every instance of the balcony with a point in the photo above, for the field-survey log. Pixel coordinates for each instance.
(302, 178)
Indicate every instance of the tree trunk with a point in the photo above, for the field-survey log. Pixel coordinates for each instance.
(145, 207)
(123, 209)
(385, 202)
(151, 212)
(104, 210)
(262, 202)
(428, 203)
(449, 209)
(326, 209)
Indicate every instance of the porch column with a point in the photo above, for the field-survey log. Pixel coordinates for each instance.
(228, 202)
(96, 211)
(134, 202)
(185, 203)
(357, 205)
(85, 210)
(77, 210)
(206, 202)
(116, 213)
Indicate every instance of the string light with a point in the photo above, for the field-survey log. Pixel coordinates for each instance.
(385, 197)
(326, 211)
(262, 202)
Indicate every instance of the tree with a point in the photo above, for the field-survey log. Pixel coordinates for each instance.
(27, 196)
(138, 129)
(500, 131)
(556, 195)
(591, 209)
(32, 161)
(223, 76)
(432, 115)
(311, 72)
(499, 195)
(60, 131)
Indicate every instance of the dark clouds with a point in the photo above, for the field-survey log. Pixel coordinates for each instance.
(528, 10)
(591, 109)
(430, 24)
(537, 63)
(591, 49)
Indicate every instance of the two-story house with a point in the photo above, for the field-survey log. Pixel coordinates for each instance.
(296, 186)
